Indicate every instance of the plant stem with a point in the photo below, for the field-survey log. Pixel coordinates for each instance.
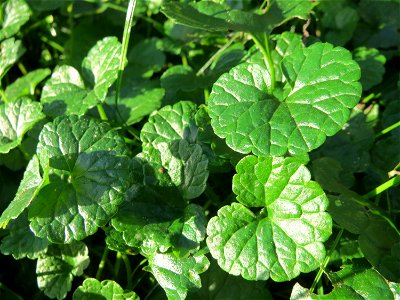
(212, 58)
(3, 95)
(383, 187)
(135, 270)
(102, 113)
(263, 45)
(117, 264)
(124, 50)
(128, 269)
(388, 129)
(102, 263)
(326, 261)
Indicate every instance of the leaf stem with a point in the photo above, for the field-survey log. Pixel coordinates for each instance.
(326, 261)
(3, 94)
(388, 129)
(102, 263)
(124, 50)
(134, 272)
(128, 269)
(383, 187)
(263, 45)
(117, 264)
(215, 55)
(102, 113)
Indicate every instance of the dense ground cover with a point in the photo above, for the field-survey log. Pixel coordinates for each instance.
(226, 149)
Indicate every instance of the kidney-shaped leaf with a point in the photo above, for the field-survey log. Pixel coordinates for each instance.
(92, 289)
(88, 176)
(320, 85)
(284, 238)
(16, 118)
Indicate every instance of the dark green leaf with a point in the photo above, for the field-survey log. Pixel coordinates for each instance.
(16, 118)
(57, 268)
(89, 175)
(372, 66)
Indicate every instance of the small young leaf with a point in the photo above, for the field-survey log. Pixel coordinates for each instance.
(10, 51)
(105, 290)
(321, 85)
(16, 13)
(57, 268)
(89, 175)
(25, 85)
(176, 275)
(27, 191)
(283, 239)
(16, 118)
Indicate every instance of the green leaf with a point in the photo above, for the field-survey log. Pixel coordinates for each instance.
(100, 68)
(27, 191)
(16, 118)
(351, 282)
(21, 242)
(88, 177)
(176, 275)
(284, 238)
(381, 246)
(16, 13)
(372, 66)
(320, 86)
(10, 51)
(216, 284)
(26, 85)
(64, 93)
(211, 16)
(385, 153)
(92, 289)
(186, 165)
(56, 270)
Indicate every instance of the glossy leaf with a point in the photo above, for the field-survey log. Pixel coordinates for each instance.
(92, 289)
(26, 85)
(10, 51)
(21, 242)
(27, 191)
(89, 175)
(176, 275)
(56, 270)
(15, 14)
(64, 92)
(100, 68)
(350, 283)
(16, 118)
(284, 238)
(320, 87)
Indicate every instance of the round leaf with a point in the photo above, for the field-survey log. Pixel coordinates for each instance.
(106, 290)
(320, 84)
(284, 238)
(88, 178)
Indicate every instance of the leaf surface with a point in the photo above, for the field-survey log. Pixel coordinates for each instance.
(10, 51)
(89, 175)
(284, 238)
(16, 118)
(16, 13)
(177, 275)
(92, 289)
(56, 270)
(320, 86)
(372, 66)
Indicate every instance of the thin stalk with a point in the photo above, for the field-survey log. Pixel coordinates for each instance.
(212, 58)
(326, 261)
(53, 44)
(102, 113)
(3, 95)
(128, 270)
(392, 182)
(22, 68)
(135, 270)
(117, 265)
(388, 129)
(151, 291)
(102, 263)
(184, 59)
(124, 50)
(263, 46)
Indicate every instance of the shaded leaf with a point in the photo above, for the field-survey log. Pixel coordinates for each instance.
(372, 66)
(56, 270)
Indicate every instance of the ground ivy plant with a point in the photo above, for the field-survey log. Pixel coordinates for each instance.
(227, 150)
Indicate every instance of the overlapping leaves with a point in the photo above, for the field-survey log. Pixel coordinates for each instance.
(282, 239)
